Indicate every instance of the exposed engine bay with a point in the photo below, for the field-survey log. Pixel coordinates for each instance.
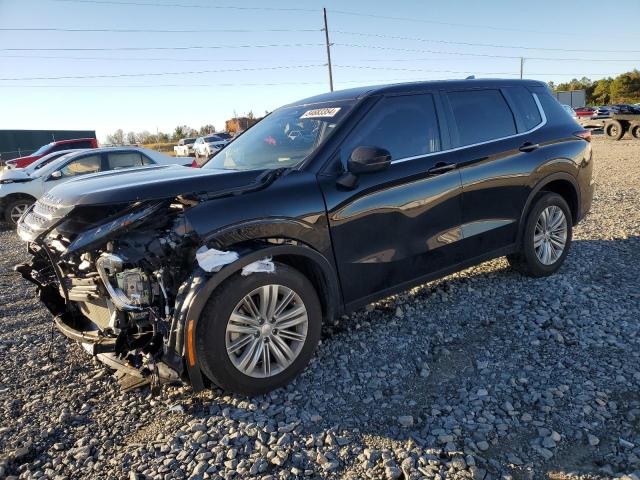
(117, 296)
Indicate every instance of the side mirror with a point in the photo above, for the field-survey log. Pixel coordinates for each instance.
(368, 160)
(364, 160)
(56, 175)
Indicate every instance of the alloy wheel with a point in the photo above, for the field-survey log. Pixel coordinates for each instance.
(266, 331)
(17, 211)
(550, 235)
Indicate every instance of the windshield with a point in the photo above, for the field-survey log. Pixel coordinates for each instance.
(42, 149)
(212, 138)
(282, 139)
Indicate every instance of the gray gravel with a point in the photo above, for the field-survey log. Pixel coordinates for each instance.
(483, 374)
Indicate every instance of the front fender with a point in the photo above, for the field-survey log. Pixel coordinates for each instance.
(201, 285)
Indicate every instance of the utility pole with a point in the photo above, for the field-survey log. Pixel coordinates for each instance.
(521, 67)
(326, 38)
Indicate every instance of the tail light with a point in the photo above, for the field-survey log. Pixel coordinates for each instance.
(583, 134)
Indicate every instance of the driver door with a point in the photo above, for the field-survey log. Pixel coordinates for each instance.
(401, 224)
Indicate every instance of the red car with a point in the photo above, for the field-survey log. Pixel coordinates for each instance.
(585, 111)
(22, 162)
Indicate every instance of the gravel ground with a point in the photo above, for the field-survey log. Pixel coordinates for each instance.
(483, 374)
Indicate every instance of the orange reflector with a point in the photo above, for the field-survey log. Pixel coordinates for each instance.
(584, 134)
(191, 353)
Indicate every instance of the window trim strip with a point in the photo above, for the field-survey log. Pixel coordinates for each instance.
(542, 123)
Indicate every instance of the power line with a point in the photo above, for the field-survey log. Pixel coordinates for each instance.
(451, 24)
(462, 72)
(182, 5)
(137, 59)
(414, 50)
(192, 47)
(144, 30)
(473, 44)
(159, 74)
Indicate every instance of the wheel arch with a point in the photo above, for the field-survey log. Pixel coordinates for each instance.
(561, 183)
(310, 262)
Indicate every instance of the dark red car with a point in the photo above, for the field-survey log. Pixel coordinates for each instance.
(584, 111)
(22, 162)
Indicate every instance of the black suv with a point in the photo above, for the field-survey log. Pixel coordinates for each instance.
(225, 274)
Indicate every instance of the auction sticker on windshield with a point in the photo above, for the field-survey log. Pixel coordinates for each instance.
(321, 113)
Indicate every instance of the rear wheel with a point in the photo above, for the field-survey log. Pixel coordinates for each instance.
(15, 209)
(546, 238)
(614, 130)
(634, 129)
(258, 332)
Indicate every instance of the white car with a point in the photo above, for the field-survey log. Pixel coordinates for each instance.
(19, 188)
(205, 147)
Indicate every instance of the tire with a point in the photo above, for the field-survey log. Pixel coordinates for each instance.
(213, 338)
(528, 260)
(634, 129)
(14, 210)
(614, 130)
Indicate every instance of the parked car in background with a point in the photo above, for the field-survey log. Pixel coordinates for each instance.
(58, 145)
(42, 161)
(602, 112)
(227, 272)
(184, 147)
(205, 147)
(584, 111)
(19, 188)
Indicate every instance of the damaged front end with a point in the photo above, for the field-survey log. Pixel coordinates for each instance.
(116, 278)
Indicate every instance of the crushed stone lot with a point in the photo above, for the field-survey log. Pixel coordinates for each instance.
(483, 374)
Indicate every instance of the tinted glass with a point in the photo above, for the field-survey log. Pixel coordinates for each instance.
(406, 126)
(481, 115)
(525, 106)
(119, 160)
(82, 166)
(283, 139)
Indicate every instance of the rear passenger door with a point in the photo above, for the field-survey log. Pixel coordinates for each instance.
(494, 138)
(400, 224)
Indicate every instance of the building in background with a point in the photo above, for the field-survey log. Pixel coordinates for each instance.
(240, 124)
(18, 143)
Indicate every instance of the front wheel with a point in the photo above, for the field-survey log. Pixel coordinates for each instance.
(614, 129)
(15, 209)
(258, 332)
(547, 237)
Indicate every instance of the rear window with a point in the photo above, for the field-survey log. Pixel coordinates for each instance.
(525, 106)
(481, 115)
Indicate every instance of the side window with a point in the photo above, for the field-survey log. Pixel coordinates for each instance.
(481, 115)
(147, 161)
(525, 107)
(63, 146)
(406, 126)
(118, 160)
(81, 166)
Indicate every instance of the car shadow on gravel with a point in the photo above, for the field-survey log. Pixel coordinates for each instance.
(464, 369)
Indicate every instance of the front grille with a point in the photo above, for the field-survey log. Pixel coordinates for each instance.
(43, 215)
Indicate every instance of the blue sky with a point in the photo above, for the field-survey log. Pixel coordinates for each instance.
(232, 74)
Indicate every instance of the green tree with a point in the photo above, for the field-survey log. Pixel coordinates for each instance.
(132, 138)
(206, 129)
(601, 94)
(625, 88)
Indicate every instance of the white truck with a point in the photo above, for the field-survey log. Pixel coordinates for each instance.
(184, 147)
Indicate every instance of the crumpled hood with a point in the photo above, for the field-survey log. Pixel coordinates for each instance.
(148, 183)
(14, 174)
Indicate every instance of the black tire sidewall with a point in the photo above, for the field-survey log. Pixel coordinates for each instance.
(617, 125)
(211, 330)
(536, 267)
(10, 206)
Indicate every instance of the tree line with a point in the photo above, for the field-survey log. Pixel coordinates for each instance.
(625, 88)
(120, 137)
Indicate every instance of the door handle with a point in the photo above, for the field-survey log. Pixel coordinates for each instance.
(441, 167)
(529, 147)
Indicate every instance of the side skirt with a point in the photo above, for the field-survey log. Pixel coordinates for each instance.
(501, 252)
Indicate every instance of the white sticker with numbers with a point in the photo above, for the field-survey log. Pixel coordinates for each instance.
(321, 113)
